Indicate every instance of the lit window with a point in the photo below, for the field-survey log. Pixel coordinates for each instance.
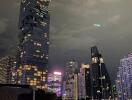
(19, 82)
(47, 57)
(23, 1)
(42, 56)
(38, 51)
(29, 35)
(36, 69)
(35, 79)
(34, 43)
(24, 8)
(35, 74)
(45, 35)
(94, 60)
(22, 29)
(28, 78)
(38, 44)
(48, 42)
(101, 60)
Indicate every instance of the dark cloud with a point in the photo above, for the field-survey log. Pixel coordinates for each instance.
(76, 25)
(75, 30)
(9, 10)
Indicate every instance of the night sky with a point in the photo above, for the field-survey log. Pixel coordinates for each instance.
(76, 25)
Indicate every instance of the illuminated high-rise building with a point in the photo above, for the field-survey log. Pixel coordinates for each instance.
(100, 80)
(55, 82)
(6, 68)
(34, 43)
(124, 78)
(84, 82)
(71, 68)
(70, 88)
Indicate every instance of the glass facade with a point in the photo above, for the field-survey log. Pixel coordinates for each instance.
(124, 78)
(34, 42)
(100, 80)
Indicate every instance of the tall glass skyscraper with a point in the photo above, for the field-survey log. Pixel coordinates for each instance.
(100, 80)
(34, 42)
(124, 78)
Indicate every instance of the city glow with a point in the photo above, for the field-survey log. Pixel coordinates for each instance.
(57, 73)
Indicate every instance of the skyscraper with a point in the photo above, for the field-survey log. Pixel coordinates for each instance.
(100, 80)
(124, 78)
(70, 80)
(84, 82)
(55, 82)
(6, 68)
(71, 68)
(34, 42)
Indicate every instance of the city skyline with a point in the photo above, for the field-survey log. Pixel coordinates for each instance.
(75, 27)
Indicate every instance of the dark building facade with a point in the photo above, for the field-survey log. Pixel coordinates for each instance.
(34, 42)
(23, 92)
(100, 80)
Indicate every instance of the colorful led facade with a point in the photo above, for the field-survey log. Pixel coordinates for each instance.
(124, 78)
(55, 82)
(34, 43)
(100, 80)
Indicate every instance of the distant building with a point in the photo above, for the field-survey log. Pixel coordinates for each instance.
(84, 85)
(124, 78)
(70, 90)
(114, 92)
(100, 80)
(55, 82)
(6, 68)
(33, 49)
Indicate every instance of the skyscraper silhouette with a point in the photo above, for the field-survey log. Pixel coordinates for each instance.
(100, 80)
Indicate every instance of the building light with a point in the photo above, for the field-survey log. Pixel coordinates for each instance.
(35, 79)
(37, 44)
(85, 66)
(37, 51)
(57, 73)
(48, 42)
(98, 91)
(45, 35)
(101, 60)
(29, 35)
(35, 74)
(23, 1)
(36, 69)
(19, 82)
(28, 78)
(43, 23)
(24, 9)
(94, 60)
